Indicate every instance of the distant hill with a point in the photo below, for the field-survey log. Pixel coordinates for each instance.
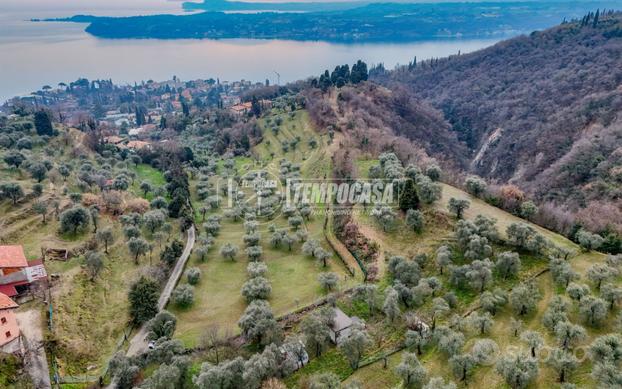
(224, 5)
(542, 111)
(380, 22)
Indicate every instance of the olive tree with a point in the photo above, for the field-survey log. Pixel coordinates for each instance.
(391, 306)
(316, 331)
(328, 280)
(256, 269)
(161, 326)
(443, 258)
(74, 219)
(183, 295)
(415, 219)
(524, 298)
(254, 253)
(599, 272)
(482, 323)
(534, 340)
(479, 274)
(458, 206)
(154, 220)
(589, 241)
(462, 365)
(563, 362)
(94, 264)
(193, 275)
(417, 340)
(411, 371)
(137, 247)
(475, 185)
(485, 351)
(611, 293)
(256, 288)
(508, 264)
(577, 291)
(354, 346)
(258, 323)
(569, 334)
(229, 250)
(593, 310)
(492, 301)
(518, 370)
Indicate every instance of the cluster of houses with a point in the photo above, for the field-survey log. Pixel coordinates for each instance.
(125, 143)
(19, 279)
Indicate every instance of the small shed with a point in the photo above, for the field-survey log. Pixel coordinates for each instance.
(342, 325)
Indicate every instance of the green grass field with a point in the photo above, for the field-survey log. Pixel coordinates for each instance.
(218, 298)
(89, 317)
(403, 242)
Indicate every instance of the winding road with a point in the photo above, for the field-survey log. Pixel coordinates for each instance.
(138, 343)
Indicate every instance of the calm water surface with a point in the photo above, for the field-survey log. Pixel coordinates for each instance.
(37, 54)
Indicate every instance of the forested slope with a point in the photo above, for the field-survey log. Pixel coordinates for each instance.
(541, 111)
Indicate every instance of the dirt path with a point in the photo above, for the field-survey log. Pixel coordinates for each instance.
(36, 363)
(371, 234)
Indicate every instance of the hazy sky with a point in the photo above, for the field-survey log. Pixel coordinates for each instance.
(135, 4)
(136, 7)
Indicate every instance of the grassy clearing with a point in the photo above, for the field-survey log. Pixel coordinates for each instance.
(293, 276)
(401, 241)
(375, 376)
(504, 219)
(218, 298)
(148, 174)
(89, 317)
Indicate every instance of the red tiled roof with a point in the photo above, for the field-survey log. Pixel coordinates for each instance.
(12, 256)
(35, 262)
(6, 302)
(8, 290)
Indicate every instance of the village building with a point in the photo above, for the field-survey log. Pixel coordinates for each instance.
(241, 109)
(17, 275)
(342, 326)
(113, 139)
(138, 145)
(9, 329)
(12, 260)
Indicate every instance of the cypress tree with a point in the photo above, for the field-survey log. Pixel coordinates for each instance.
(408, 196)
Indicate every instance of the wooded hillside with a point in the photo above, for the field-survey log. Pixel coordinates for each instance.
(541, 111)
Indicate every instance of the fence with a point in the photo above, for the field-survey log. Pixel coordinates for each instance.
(343, 253)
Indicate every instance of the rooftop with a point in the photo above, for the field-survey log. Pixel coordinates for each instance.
(12, 256)
(6, 302)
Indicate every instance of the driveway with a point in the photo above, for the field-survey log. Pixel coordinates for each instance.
(36, 363)
(138, 343)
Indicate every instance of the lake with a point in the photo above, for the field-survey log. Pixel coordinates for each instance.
(36, 54)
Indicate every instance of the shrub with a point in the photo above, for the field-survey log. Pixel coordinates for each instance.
(183, 296)
(193, 275)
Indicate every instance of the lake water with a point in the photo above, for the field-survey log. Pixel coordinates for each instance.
(37, 54)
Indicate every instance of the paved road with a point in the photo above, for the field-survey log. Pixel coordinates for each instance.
(36, 363)
(138, 343)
